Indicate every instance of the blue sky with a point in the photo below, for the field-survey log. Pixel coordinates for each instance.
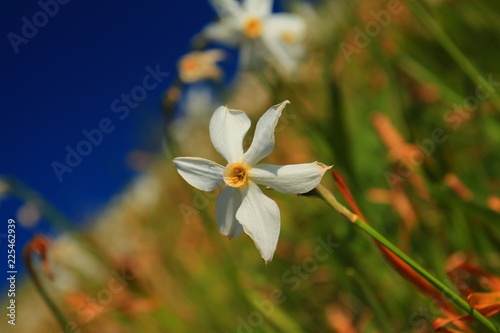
(62, 78)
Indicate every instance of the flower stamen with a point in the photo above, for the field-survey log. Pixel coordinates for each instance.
(288, 37)
(236, 174)
(253, 27)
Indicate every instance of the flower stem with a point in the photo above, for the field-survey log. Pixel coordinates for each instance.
(38, 245)
(330, 199)
(58, 219)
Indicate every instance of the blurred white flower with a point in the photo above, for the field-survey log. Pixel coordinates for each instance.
(197, 107)
(241, 205)
(252, 25)
(198, 103)
(200, 65)
(28, 214)
(4, 188)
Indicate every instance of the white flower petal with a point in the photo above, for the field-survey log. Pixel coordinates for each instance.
(227, 7)
(286, 57)
(201, 173)
(227, 129)
(263, 140)
(260, 8)
(251, 55)
(225, 32)
(283, 58)
(283, 35)
(228, 202)
(276, 24)
(290, 179)
(246, 55)
(260, 217)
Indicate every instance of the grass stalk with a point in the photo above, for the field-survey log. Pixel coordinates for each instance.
(329, 198)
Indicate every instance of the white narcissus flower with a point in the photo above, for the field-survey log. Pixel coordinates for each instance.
(252, 25)
(241, 205)
(200, 65)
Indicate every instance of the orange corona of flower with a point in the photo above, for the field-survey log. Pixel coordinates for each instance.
(236, 174)
(253, 27)
(288, 37)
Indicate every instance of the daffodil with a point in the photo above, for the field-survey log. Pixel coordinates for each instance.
(259, 33)
(241, 205)
(200, 65)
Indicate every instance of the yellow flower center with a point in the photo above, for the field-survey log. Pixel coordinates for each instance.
(189, 64)
(287, 37)
(253, 27)
(236, 174)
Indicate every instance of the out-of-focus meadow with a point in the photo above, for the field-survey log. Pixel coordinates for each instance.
(402, 97)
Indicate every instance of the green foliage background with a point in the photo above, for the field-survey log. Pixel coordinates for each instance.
(421, 71)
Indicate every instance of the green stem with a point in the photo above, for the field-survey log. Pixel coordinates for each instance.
(58, 219)
(26, 194)
(41, 290)
(426, 275)
(457, 300)
(469, 69)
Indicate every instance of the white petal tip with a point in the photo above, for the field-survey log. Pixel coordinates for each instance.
(324, 166)
(235, 111)
(227, 109)
(282, 105)
(230, 236)
(279, 107)
(267, 261)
